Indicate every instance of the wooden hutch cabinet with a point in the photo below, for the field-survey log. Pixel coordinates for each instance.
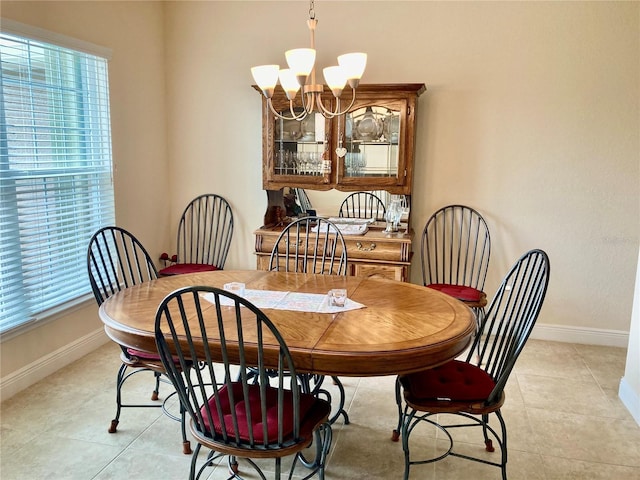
(371, 148)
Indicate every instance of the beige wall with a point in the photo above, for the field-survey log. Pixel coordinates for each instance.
(134, 33)
(532, 116)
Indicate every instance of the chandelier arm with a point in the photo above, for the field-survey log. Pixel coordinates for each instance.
(314, 102)
(307, 105)
(330, 114)
(284, 117)
(325, 112)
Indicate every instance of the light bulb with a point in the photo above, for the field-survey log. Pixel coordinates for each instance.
(335, 78)
(289, 83)
(301, 61)
(266, 76)
(353, 65)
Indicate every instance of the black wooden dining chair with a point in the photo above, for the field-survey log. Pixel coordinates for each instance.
(204, 236)
(455, 249)
(362, 205)
(303, 199)
(474, 388)
(117, 260)
(313, 245)
(242, 418)
(310, 245)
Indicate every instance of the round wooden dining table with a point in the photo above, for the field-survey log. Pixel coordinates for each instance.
(401, 328)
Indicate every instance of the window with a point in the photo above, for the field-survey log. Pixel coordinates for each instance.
(56, 184)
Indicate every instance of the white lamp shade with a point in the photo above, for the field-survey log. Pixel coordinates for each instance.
(266, 76)
(289, 83)
(353, 64)
(335, 78)
(301, 61)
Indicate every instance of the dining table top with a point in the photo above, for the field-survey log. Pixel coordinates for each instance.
(402, 327)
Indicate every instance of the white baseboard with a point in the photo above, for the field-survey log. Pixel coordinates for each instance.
(630, 398)
(44, 366)
(586, 336)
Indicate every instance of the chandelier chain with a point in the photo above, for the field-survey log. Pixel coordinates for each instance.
(312, 12)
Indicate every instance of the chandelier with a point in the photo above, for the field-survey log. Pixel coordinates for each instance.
(301, 62)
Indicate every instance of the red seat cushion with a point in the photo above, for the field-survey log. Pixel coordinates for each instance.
(148, 357)
(466, 294)
(143, 355)
(180, 268)
(454, 380)
(306, 404)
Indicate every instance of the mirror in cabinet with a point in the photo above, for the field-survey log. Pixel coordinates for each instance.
(292, 202)
(331, 204)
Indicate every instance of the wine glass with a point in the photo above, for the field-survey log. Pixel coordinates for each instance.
(397, 212)
(315, 163)
(392, 215)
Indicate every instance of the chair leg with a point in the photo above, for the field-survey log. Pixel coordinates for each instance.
(487, 441)
(194, 460)
(503, 446)
(324, 436)
(186, 444)
(119, 381)
(154, 394)
(395, 436)
(405, 430)
(278, 468)
(233, 465)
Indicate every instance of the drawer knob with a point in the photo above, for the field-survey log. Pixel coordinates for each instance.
(298, 242)
(370, 248)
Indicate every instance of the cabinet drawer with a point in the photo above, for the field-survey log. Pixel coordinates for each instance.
(391, 272)
(375, 245)
(372, 254)
(380, 249)
(363, 269)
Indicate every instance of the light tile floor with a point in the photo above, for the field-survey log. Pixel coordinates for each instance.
(563, 415)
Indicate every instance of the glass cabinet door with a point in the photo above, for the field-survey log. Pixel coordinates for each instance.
(371, 143)
(294, 148)
(298, 146)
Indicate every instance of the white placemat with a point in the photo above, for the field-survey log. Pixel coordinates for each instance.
(346, 229)
(295, 301)
(352, 221)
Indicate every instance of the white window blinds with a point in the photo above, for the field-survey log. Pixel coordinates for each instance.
(56, 184)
